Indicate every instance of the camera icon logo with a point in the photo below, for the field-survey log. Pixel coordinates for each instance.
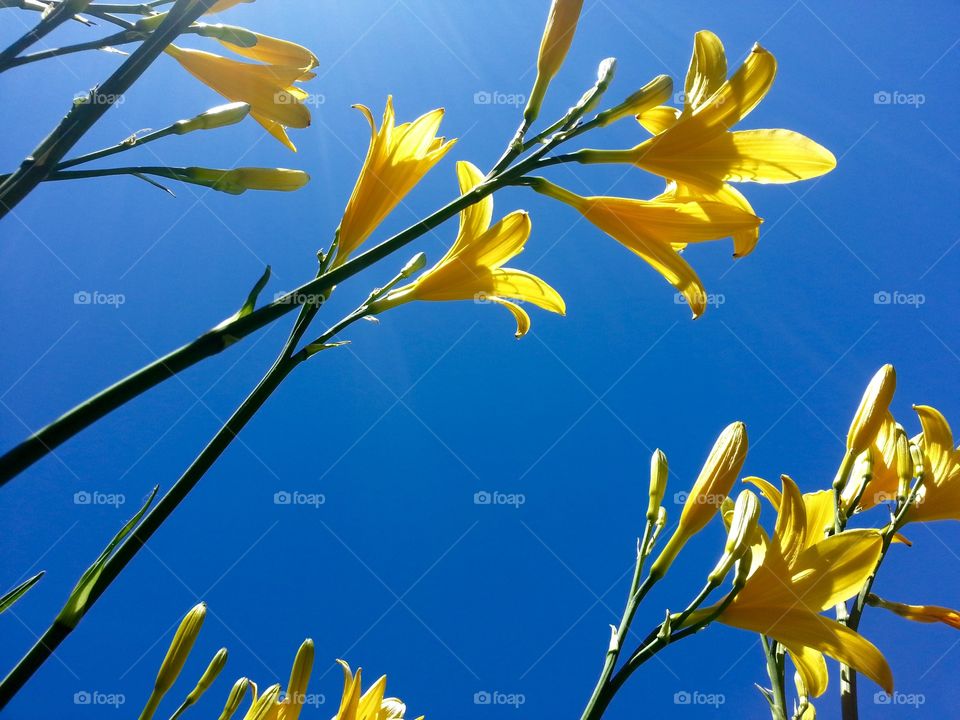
(82, 698)
(82, 497)
(482, 698)
(482, 498)
(282, 498)
(881, 698)
(682, 698)
(482, 97)
(882, 298)
(882, 97)
(82, 298)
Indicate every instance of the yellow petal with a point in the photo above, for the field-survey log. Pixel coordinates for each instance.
(276, 51)
(475, 219)
(791, 528)
(821, 510)
(657, 119)
(937, 442)
(835, 569)
(812, 667)
(519, 314)
(708, 70)
(734, 100)
(768, 490)
(764, 156)
(523, 286)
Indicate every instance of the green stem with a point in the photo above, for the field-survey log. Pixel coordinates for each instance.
(775, 670)
(59, 15)
(57, 633)
(83, 116)
(222, 336)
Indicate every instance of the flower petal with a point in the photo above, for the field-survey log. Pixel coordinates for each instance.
(812, 667)
(519, 285)
(763, 156)
(519, 314)
(657, 119)
(475, 219)
(708, 70)
(835, 569)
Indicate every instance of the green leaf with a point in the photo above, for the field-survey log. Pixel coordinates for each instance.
(251, 303)
(76, 605)
(19, 591)
(313, 348)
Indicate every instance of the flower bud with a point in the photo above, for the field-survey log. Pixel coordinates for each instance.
(216, 117)
(241, 37)
(206, 680)
(746, 514)
(904, 464)
(742, 574)
(658, 484)
(416, 264)
(556, 41)
(656, 92)
(297, 686)
(180, 648)
(239, 180)
(265, 706)
(712, 486)
(872, 411)
(237, 693)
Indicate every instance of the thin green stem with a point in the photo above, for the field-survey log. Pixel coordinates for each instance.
(48, 23)
(775, 671)
(84, 115)
(222, 336)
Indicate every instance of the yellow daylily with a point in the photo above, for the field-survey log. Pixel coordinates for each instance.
(818, 508)
(397, 158)
(697, 147)
(796, 575)
(884, 478)
(939, 495)
(369, 705)
(919, 613)
(472, 268)
(275, 101)
(658, 229)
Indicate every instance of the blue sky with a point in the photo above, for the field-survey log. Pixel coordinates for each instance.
(398, 570)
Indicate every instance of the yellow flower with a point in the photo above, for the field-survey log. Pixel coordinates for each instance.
(554, 46)
(295, 696)
(658, 229)
(695, 146)
(818, 509)
(796, 575)
(713, 485)
(919, 613)
(939, 496)
(884, 478)
(473, 268)
(370, 705)
(397, 158)
(275, 101)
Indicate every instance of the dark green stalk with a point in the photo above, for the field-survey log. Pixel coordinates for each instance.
(83, 116)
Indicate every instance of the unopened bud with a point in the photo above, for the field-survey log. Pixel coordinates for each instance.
(180, 648)
(206, 680)
(232, 34)
(658, 484)
(237, 693)
(554, 46)
(216, 117)
(239, 180)
(416, 264)
(873, 409)
(746, 514)
(299, 677)
(656, 92)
